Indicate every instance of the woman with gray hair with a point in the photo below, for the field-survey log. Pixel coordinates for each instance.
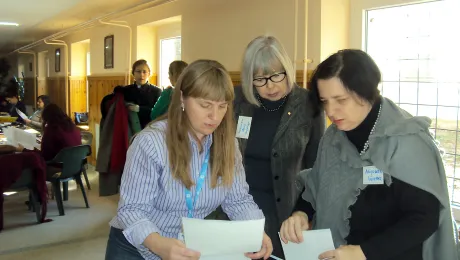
(282, 135)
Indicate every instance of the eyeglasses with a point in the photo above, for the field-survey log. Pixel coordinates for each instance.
(275, 78)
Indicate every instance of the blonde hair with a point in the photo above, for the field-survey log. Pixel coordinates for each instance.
(206, 79)
(264, 53)
(175, 69)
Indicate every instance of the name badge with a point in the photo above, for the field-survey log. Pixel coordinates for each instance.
(244, 126)
(372, 175)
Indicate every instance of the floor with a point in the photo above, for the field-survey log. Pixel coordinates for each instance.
(80, 234)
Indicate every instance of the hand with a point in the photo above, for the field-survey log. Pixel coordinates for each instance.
(20, 148)
(291, 229)
(27, 121)
(134, 108)
(265, 251)
(344, 253)
(170, 248)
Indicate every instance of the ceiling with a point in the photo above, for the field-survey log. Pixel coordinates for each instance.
(40, 18)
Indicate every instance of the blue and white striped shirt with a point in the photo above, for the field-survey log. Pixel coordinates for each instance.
(151, 200)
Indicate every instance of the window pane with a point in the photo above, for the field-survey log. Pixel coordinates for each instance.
(408, 70)
(449, 165)
(427, 71)
(408, 48)
(428, 111)
(170, 50)
(411, 109)
(447, 141)
(448, 94)
(391, 91)
(427, 93)
(450, 185)
(447, 117)
(389, 69)
(408, 92)
(456, 195)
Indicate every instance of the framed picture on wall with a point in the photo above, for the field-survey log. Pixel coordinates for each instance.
(57, 60)
(30, 66)
(108, 52)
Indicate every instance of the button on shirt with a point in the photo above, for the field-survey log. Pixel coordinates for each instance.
(151, 200)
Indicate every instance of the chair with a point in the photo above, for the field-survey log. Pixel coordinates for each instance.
(26, 182)
(71, 159)
(86, 139)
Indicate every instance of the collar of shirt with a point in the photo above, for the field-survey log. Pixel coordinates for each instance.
(207, 142)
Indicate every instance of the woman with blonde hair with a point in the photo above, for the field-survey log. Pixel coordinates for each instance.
(283, 136)
(184, 166)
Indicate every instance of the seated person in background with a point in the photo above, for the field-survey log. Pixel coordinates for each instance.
(5, 107)
(142, 95)
(194, 147)
(12, 97)
(161, 107)
(36, 120)
(59, 132)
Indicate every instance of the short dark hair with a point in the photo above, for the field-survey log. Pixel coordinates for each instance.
(357, 71)
(139, 63)
(45, 99)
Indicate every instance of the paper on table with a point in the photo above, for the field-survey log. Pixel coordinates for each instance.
(16, 136)
(22, 115)
(315, 242)
(222, 240)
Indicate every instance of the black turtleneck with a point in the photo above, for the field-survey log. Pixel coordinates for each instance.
(388, 222)
(257, 163)
(359, 136)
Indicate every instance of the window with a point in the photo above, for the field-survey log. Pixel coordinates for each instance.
(170, 50)
(417, 51)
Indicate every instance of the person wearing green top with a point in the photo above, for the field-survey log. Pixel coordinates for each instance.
(161, 106)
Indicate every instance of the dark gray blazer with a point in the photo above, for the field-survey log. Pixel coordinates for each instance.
(294, 146)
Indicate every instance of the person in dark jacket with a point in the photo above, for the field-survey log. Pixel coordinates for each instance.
(141, 96)
(379, 182)
(12, 96)
(283, 134)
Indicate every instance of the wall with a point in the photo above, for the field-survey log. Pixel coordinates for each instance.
(146, 45)
(335, 20)
(357, 17)
(226, 28)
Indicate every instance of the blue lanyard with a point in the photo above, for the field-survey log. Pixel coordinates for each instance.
(199, 186)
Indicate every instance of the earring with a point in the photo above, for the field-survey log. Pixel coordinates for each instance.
(183, 107)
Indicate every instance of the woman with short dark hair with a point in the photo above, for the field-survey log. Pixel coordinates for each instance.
(378, 182)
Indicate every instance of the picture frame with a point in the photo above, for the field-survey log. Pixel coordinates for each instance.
(108, 52)
(57, 60)
(31, 68)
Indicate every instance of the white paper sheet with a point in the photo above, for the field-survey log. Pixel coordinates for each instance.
(223, 240)
(15, 136)
(315, 242)
(22, 115)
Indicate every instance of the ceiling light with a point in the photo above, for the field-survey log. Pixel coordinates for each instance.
(9, 24)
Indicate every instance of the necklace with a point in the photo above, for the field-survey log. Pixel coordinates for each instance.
(366, 145)
(274, 109)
